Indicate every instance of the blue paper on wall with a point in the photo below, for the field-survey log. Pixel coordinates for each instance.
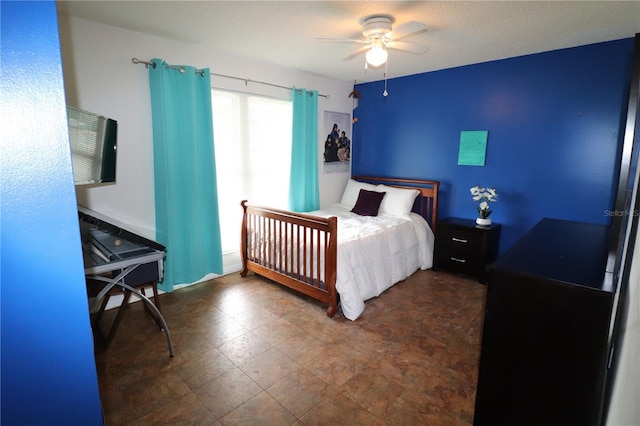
(473, 148)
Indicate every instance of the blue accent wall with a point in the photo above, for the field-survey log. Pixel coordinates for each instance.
(555, 123)
(47, 366)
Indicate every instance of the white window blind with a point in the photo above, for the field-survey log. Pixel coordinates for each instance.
(252, 138)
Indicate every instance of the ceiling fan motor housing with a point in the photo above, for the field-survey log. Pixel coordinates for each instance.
(376, 26)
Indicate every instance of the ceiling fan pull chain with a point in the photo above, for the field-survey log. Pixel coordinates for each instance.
(385, 93)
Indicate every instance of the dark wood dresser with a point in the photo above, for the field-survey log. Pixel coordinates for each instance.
(463, 247)
(545, 338)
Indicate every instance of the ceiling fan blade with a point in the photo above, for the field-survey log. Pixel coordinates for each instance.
(407, 29)
(405, 46)
(356, 52)
(340, 40)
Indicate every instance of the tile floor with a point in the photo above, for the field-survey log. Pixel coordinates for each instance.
(250, 352)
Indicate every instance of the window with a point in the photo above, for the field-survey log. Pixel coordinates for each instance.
(252, 138)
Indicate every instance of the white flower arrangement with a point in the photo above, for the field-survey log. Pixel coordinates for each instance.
(484, 196)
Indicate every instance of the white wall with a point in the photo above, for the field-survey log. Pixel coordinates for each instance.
(100, 77)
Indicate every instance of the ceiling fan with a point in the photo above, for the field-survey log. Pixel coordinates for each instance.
(379, 36)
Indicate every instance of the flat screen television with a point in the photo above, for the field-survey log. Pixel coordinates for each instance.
(93, 141)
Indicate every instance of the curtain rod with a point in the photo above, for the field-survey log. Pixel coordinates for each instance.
(153, 65)
(246, 80)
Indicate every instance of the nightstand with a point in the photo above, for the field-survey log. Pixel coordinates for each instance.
(463, 247)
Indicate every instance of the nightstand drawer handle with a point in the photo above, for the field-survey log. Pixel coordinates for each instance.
(458, 240)
(455, 259)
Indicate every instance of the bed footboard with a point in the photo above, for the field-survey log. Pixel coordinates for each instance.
(293, 249)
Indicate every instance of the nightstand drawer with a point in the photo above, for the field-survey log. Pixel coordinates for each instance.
(460, 265)
(460, 242)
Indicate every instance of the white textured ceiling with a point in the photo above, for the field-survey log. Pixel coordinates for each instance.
(284, 32)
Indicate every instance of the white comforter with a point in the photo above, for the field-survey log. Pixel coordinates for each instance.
(374, 253)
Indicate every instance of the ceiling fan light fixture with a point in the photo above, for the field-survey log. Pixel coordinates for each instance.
(376, 56)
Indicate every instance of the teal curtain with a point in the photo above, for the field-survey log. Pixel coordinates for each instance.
(187, 219)
(304, 193)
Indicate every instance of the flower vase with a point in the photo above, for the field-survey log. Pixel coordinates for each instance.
(483, 221)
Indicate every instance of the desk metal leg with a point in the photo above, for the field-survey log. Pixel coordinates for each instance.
(117, 281)
(155, 311)
(111, 282)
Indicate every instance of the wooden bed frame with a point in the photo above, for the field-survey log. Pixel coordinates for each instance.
(292, 248)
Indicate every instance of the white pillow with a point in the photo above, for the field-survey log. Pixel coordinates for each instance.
(398, 201)
(351, 192)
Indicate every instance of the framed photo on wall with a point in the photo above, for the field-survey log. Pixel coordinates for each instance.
(336, 144)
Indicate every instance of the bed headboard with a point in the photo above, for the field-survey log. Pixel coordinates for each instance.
(426, 204)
